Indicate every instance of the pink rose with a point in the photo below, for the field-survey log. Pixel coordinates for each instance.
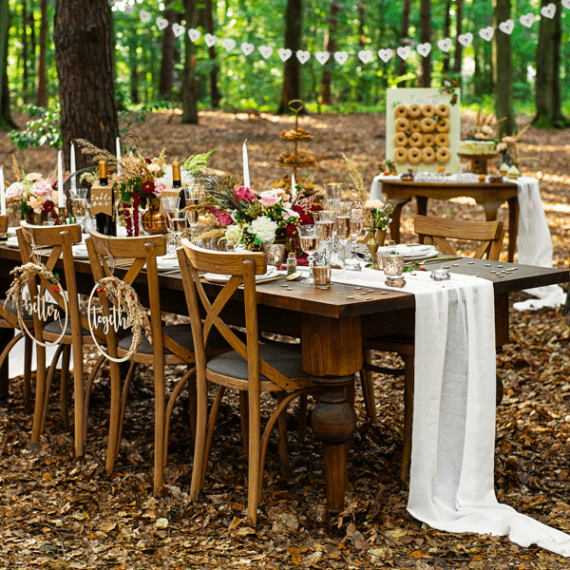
(245, 194)
(41, 188)
(15, 190)
(269, 198)
(159, 188)
(223, 218)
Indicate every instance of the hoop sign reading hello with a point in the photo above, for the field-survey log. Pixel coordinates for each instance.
(124, 312)
(45, 306)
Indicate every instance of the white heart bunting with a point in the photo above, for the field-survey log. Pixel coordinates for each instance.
(465, 39)
(341, 57)
(444, 45)
(266, 51)
(145, 16)
(487, 33)
(424, 49)
(507, 27)
(194, 35)
(229, 44)
(210, 40)
(527, 20)
(566, 4)
(365, 55)
(548, 11)
(247, 48)
(303, 56)
(178, 30)
(284, 53)
(161, 23)
(129, 9)
(385, 55)
(322, 57)
(404, 52)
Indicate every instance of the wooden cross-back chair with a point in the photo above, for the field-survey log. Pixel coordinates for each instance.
(171, 345)
(438, 230)
(46, 245)
(250, 367)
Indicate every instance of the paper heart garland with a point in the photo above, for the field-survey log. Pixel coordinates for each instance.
(444, 45)
(385, 55)
(548, 11)
(178, 30)
(284, 53)
(145, 16)
(527, 20)
(210, 40)
(194, 35)
(341, 57)
(487, 33)
(424, 49)
(247, 48)
(229, 44)
(566, 4)
(303, 56)
(322, 57)
(365, 55)
(129, 9)
(404, 52)
(507, 27)
(266, 51)
(161, 23)
(465, 39)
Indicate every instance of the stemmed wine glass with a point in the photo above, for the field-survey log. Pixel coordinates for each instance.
(80, 207)
(325, 220)
(178, 227)
(310, 241)
(333, 190)
(170, 205)
(192, 198)
(356, 223)
(343, 230)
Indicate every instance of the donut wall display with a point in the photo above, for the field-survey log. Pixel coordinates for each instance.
(422, 130)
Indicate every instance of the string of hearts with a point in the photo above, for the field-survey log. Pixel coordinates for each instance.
(341, 57)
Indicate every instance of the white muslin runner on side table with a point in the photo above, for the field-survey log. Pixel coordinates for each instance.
(453, 439)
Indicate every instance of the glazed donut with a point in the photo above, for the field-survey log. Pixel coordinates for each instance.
(443, 155)
(443, 126)
(402, 125)
(400, 154)
(428, 110)
(428, 125)
(401, 140)
(442, 140)
(401, 112)
(415, 155)
(428, 154)
(429, 139)
(414, 111)
(415, 126)
(442, 110)
(416, 140)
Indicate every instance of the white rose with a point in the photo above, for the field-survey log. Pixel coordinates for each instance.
(263, 228)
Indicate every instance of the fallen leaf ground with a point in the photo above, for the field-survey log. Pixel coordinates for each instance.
(59, 512)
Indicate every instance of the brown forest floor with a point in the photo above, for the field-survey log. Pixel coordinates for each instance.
(60, 512)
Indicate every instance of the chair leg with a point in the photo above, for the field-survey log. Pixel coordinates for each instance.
(367, 382)
(408, 414)
(63, 387)
(114, 418)
(192, 402)
(40, 395)
(282, 435)
(124, 394)
(28, 352)
(210, 431)
(48, 382)
(87, 394)
(244, 419)
(500, 391)
(303, 411)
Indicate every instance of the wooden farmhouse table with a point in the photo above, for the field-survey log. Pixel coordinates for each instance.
(331, 324)
(490, 195)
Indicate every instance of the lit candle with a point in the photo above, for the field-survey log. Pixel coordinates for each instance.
(245, 166)
(60, 194)
(2, 193)
(118, 156)
(293, 189)
(73, 169)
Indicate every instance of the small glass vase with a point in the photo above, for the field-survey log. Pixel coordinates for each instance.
(153, 220)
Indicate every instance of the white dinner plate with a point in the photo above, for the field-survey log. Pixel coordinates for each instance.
(11, 231)
(216, 278)
(167, 262)
(12, 241)
(410, 251)
(80, 251)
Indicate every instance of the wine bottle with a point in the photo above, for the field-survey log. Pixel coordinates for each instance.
(105, 221)
(177, 183)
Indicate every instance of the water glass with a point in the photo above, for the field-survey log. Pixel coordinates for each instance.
(322, 275)
(192, 198)
(343, 229)
(333, 190)
(325, 220)
(80, 207)
(310, 241)
(356, 223)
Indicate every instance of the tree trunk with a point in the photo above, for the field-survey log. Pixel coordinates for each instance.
(292, 81)
(446, 28)
(404, 32)
(503, 69)
(85, 74)
(25, 53)
(167, 64)
(458, 31)
(134, 66)
(330, 46)
(215, 95)
(189, 91)
(425, 36)
(6, 121)
(547, 82)
(41, 77)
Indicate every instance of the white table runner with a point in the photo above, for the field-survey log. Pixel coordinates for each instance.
(453, 440)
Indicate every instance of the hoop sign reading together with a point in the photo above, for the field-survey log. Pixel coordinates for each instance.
(124, 312)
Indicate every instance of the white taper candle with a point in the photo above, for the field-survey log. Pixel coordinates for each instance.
(73, 168)
(119, 156)
(60, 194)
(245, 166)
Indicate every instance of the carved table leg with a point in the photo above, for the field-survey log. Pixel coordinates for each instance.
(334, 423)
(513, 227)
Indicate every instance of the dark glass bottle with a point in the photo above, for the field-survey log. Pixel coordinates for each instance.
(105, 223)
(177, 183)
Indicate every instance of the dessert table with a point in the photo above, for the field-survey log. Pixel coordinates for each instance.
(331, 324)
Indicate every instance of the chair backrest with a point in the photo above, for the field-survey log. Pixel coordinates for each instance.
(439, 230)
(242, 269)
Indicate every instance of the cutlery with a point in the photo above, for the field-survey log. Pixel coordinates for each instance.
(442, 258)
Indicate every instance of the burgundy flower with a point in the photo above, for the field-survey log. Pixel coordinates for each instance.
(49, 206)
(291, 230)
(244, 194)
(148, 160)
(148, 187)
